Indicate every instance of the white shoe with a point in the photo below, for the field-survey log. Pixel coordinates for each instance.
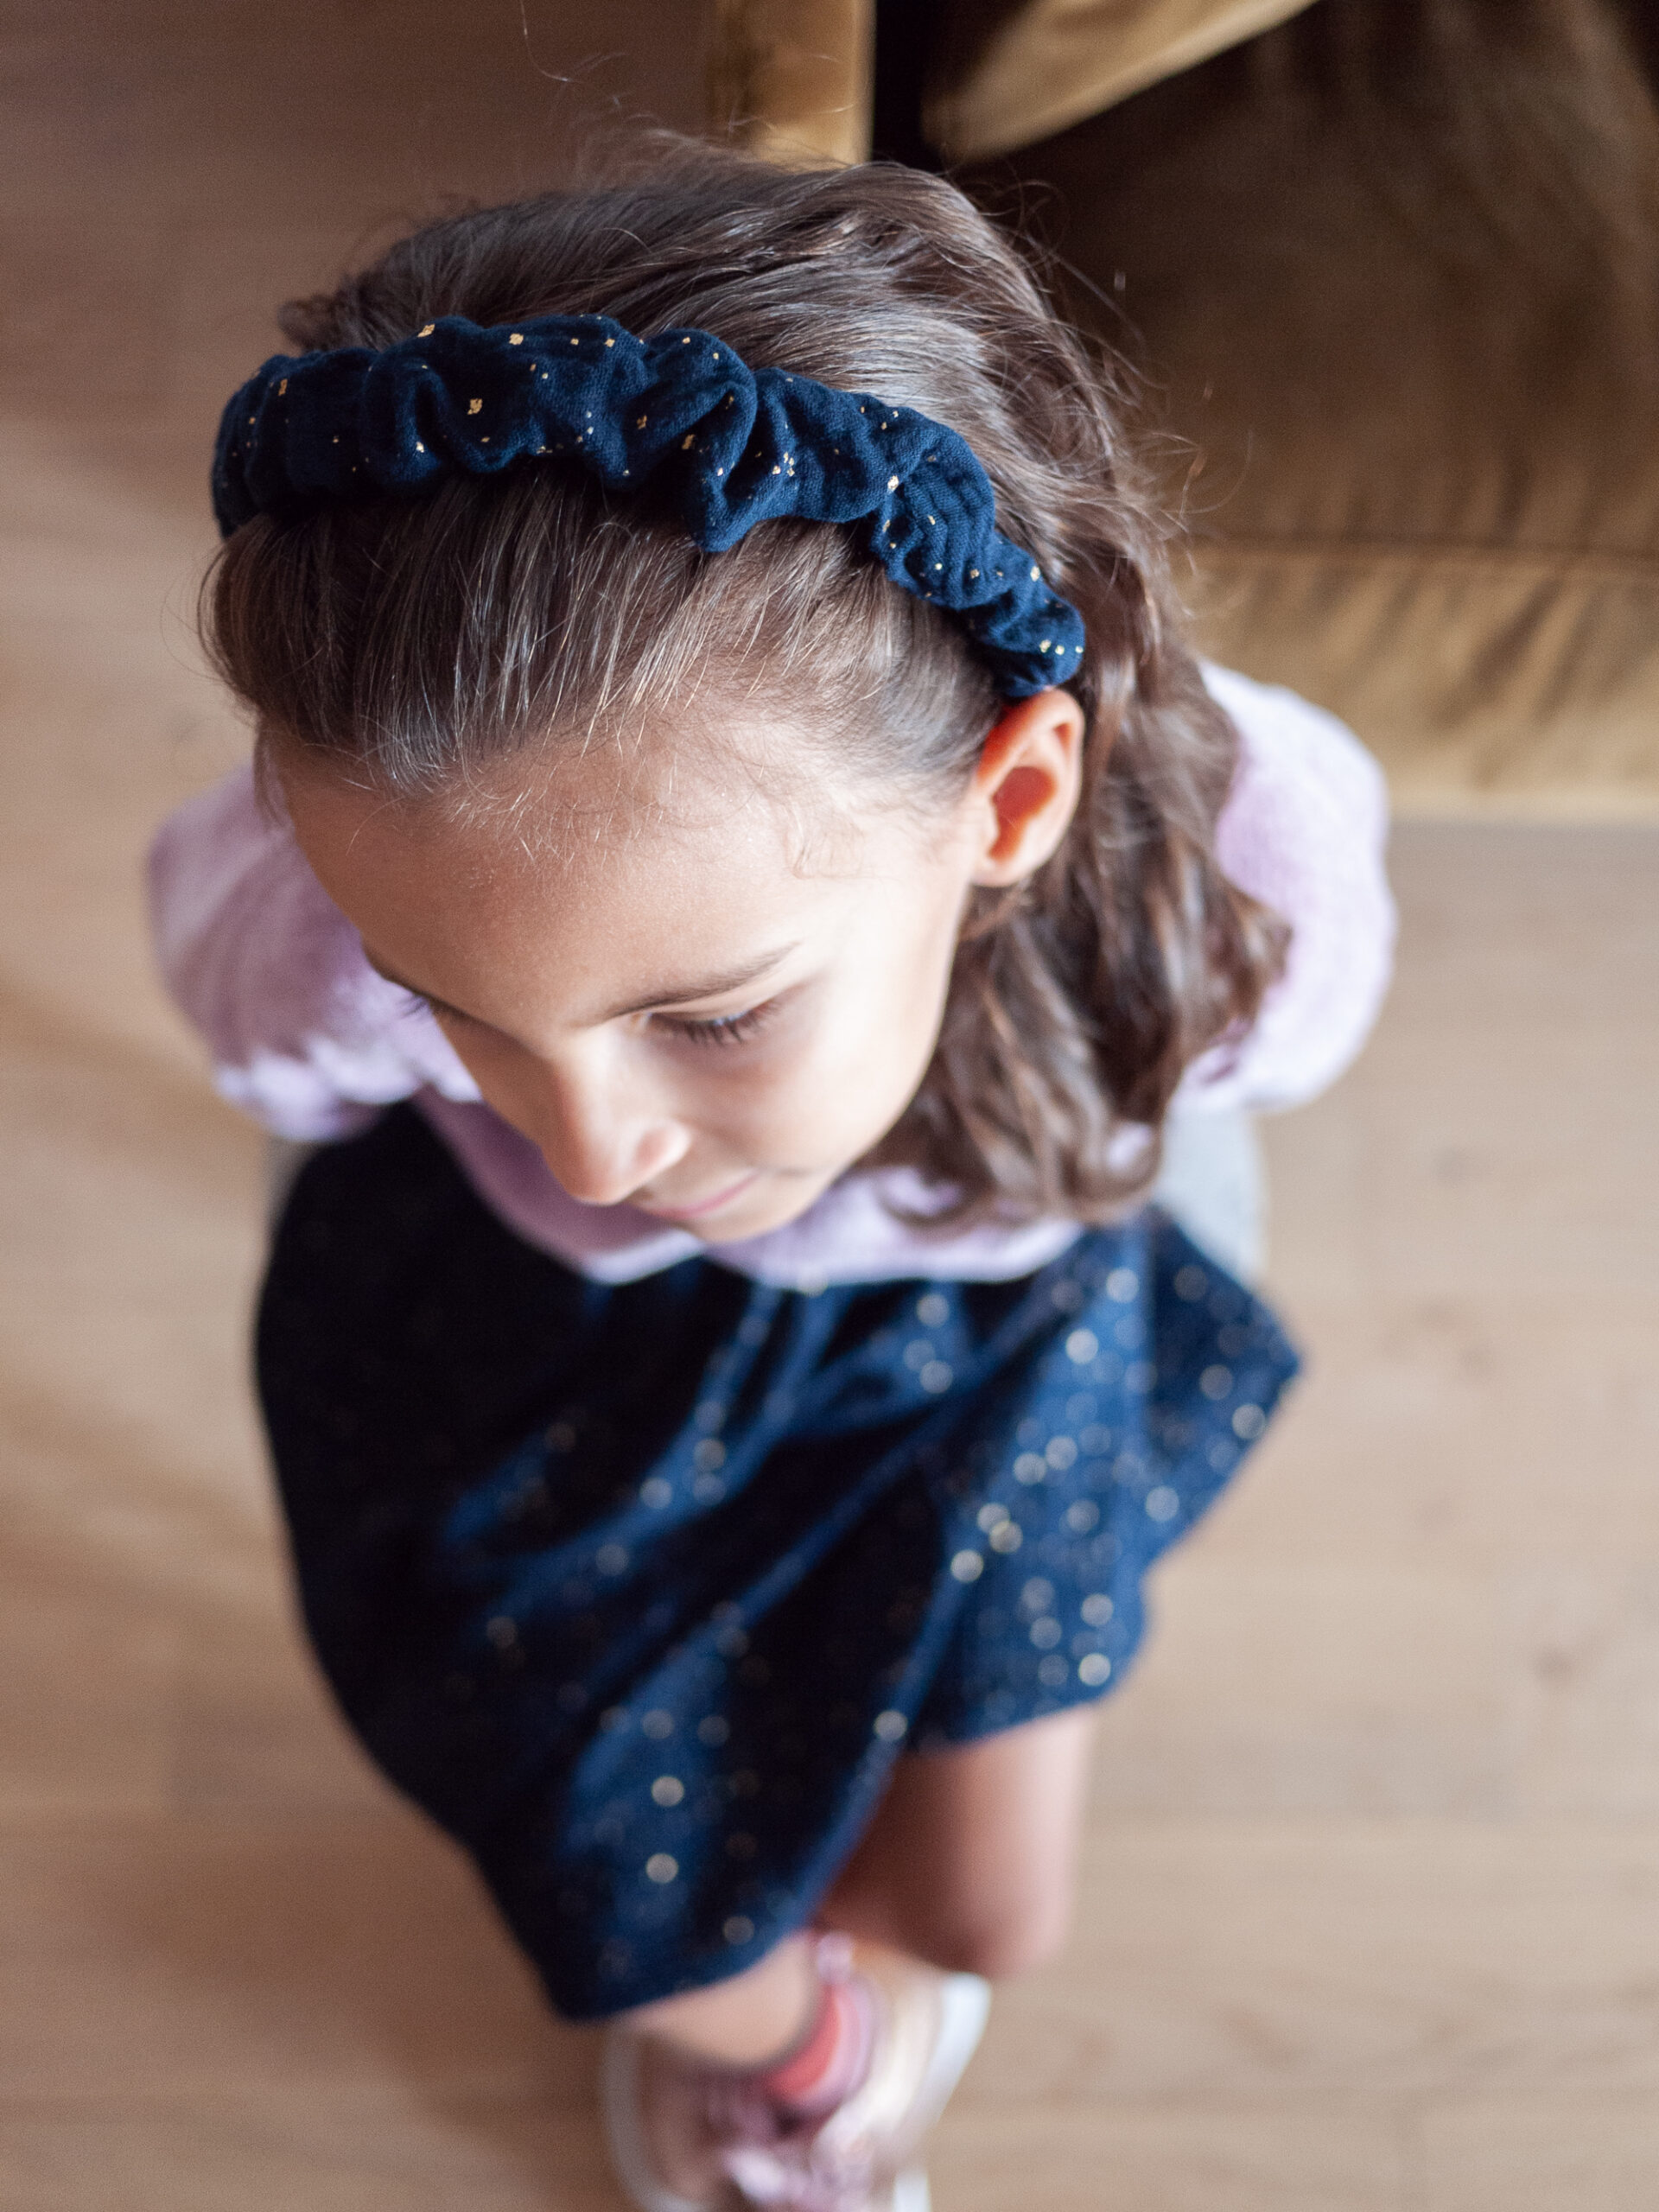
(684, 2138)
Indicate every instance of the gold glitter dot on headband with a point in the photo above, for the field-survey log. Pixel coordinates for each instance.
(576, 341)
(282, 387)
(426, 330)
(611, 341)
(892, 481)
(474, 407)
(642, 421)
(973, 575)
(516, 339)
(1036, 576)
(419, 447)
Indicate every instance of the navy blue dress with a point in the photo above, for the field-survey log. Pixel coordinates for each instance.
(639, 1591)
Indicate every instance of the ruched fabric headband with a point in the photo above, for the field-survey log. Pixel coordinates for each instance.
(736, 447)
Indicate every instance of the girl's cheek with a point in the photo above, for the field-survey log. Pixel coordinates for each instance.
(843, 1092)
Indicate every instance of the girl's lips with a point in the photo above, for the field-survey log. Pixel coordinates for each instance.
(705, 1205)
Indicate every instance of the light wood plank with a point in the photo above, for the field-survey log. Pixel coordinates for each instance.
(1542, 2154)
(1283, 2157)
(321, 2151)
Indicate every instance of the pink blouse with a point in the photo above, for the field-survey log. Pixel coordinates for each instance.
(310, 1041)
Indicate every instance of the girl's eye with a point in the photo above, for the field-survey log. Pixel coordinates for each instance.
(724, 1029)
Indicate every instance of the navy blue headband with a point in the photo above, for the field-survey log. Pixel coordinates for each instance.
(737, 445)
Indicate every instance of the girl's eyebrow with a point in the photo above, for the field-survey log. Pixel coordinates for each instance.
(700, 987)
(703, 987)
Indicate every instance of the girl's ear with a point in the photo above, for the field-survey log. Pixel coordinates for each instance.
(1025, 787)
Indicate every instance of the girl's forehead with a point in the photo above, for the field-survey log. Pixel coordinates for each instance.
(602, 865)
(620, 807)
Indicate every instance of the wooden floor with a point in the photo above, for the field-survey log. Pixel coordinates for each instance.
(1372, 1915)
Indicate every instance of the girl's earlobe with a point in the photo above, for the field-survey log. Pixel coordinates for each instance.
(1028, 784)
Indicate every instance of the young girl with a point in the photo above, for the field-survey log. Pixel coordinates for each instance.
(740, 866)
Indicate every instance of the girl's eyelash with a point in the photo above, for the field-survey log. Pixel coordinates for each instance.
(723, 1029)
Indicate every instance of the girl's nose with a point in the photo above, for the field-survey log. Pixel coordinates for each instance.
(599, 1151)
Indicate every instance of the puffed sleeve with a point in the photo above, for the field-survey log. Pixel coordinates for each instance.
(304, 1035)
(1304, 831)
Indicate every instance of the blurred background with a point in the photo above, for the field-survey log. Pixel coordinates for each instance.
(1372, 1921)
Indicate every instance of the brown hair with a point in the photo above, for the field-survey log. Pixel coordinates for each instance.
(420, 640)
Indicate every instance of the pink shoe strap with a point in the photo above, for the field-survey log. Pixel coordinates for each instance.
(832, 2060)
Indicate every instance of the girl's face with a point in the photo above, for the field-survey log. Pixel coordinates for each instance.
(683, 1002)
